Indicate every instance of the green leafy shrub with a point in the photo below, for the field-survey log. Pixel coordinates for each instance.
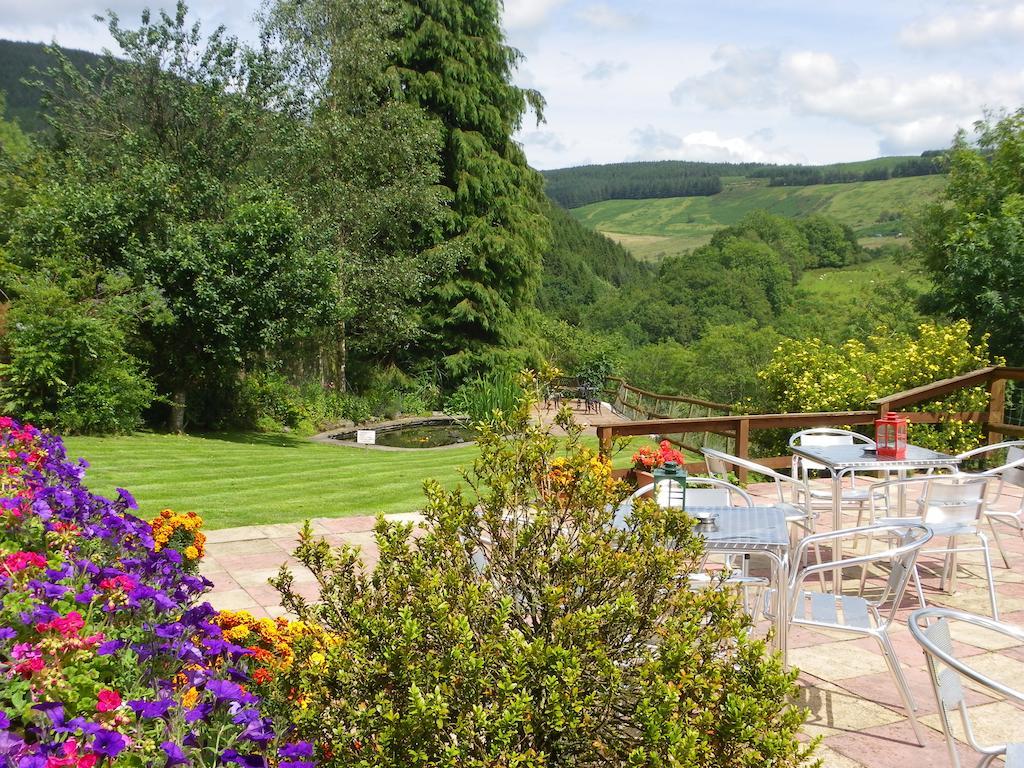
(522, 629)
(811, 376)
(65, 364)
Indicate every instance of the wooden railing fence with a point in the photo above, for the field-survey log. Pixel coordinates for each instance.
(737, 428)
(640, 405)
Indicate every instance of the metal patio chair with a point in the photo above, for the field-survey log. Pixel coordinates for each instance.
(951, 506)
(931, 628)
(821, 498)
(894, 546)
(1008, 485)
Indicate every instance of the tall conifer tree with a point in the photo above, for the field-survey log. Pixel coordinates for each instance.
(454, 62)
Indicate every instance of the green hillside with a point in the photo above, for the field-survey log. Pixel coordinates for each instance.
(17, 62)
(656, 228)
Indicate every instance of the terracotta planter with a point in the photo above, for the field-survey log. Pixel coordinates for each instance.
(643, 478)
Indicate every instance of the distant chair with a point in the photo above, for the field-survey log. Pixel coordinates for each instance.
(821, 498)
(930, 627)
(588, 394)
(1008, 477)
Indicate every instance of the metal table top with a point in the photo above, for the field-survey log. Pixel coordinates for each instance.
(845, 457)
(740, 528)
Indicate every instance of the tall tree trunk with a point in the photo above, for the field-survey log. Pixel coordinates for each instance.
(341, 352)
(177, 421)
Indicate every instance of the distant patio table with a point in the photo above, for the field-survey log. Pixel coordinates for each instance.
(841, 460)
(757, 530)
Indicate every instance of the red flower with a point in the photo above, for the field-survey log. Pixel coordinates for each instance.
(107, 700)
(262, 675)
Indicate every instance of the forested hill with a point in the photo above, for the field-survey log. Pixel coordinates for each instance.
(576, 187)
(17, 62)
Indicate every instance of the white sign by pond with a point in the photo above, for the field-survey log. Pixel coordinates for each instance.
(366, 437)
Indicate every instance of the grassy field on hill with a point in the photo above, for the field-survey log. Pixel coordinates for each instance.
(248, 478)
(848, 284)
(652, 229)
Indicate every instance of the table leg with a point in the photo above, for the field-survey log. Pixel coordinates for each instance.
(782, 612)
(837, 524)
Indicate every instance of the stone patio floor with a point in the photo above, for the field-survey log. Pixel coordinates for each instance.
(853, 700)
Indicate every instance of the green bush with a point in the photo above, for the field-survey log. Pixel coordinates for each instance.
(65, 364)
(522, 629)
(813, 376)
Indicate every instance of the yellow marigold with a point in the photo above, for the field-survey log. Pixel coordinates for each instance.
(239, 632)
(191, 553)
(190, 699)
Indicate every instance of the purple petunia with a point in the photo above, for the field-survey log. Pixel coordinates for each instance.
(175, 754)
(151, 709)
(109, 743)
(298, 749)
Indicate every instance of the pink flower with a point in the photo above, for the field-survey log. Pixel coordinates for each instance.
(68, 626)
(19, 561)
(121, 581)
(107, 700)
(29, 667)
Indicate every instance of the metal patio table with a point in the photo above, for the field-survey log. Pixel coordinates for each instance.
(841, 460)
(759, 530)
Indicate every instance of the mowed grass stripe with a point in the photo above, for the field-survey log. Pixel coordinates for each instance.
(243, 479)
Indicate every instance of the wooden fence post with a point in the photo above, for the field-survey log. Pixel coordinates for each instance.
(996, 407)
(743, 445)
(604, 437)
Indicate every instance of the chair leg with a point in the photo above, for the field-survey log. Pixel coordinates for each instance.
(998, 541)
(988, 574)
(917, 587)
(949, 572)
(901, 683)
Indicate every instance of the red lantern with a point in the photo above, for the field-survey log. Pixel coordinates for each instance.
(891, 436)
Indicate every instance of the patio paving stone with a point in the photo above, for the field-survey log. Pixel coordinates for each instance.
(844, 679)
(995, 723)
(893, 746)
(836, 660)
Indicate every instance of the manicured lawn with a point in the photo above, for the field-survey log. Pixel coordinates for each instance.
(251, 479)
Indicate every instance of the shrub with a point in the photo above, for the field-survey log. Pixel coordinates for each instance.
(521, 628)
(65, 361)
(108, 656)
(813, 376)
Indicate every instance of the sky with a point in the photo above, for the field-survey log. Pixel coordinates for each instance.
(783, 81)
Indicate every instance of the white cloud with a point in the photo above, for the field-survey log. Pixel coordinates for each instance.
(743, 76)
(813, 70)
(982, 24)
(527, 14)
(707, 145)
(605, 70)
(911, 113)
(603, 16)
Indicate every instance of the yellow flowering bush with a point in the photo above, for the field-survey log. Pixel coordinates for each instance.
(180, 531)
(810, 375)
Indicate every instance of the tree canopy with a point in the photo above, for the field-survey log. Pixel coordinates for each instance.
(972, 241)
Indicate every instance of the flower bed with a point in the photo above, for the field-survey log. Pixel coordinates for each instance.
(107, 654)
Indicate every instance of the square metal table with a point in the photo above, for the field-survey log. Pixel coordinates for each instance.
(744, 531)
(841, 460)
